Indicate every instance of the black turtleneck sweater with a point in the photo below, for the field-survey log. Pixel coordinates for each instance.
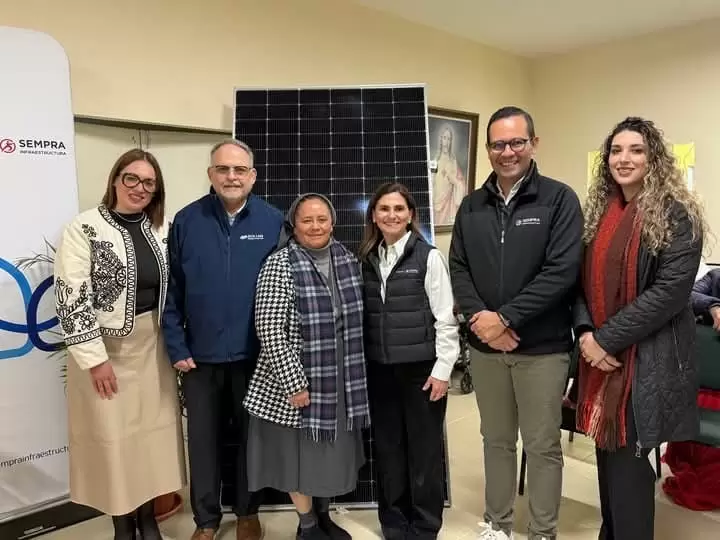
(148, 271)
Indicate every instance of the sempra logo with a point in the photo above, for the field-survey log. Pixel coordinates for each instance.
(43, 147)
(7, 146)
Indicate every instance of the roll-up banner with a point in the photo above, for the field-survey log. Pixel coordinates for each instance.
(38, 196)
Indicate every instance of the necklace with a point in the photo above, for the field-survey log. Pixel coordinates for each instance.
(127, 220)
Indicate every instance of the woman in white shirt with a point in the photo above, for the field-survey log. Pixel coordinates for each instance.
(411, 344)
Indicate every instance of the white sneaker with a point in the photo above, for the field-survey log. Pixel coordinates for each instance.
(488, 533)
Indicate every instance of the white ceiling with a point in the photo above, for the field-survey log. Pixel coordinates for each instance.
(538, 27)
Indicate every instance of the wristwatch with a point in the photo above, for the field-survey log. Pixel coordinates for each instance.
(503, 320)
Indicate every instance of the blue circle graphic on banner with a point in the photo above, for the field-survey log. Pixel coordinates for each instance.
(31, 327)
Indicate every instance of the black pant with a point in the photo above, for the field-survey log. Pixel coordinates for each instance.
(627, 489)
(205, 389)
(408, 433)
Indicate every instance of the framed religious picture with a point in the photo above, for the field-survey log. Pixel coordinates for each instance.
(453, 148)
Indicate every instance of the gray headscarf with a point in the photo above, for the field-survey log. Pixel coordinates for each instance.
(289, 224)
(290, 218)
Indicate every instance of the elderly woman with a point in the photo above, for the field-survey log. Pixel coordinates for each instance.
(111, 277)
(308, 396)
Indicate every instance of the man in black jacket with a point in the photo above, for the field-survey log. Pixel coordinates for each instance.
(515, 257)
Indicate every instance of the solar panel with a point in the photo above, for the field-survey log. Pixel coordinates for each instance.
(343, 142)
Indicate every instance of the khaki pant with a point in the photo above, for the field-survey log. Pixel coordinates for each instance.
(521, 391)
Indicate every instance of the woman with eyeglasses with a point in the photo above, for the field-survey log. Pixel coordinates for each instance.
(111, 276)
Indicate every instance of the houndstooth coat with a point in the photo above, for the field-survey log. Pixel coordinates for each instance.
(279, 373)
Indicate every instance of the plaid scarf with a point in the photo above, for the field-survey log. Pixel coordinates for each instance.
(317, 326)
(610, 275)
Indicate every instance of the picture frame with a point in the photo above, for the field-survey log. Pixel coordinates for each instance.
(453, 142)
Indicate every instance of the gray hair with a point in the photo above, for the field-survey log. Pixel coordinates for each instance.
(237, 143)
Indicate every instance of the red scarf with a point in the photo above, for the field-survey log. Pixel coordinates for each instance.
(610, 275)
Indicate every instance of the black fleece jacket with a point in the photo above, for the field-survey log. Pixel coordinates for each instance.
(521, 259)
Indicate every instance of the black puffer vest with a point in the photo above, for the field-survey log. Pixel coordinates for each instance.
(402, 328)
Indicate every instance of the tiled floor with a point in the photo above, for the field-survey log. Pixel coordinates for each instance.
(580, 515)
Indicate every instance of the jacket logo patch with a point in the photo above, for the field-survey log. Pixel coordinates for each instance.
(408, 271)
(528, 221)
(252, 237)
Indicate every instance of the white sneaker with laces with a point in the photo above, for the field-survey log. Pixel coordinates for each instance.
(488, 533)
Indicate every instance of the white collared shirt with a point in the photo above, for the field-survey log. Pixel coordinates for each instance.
(513, 190)
(233, 215)
(439, 292)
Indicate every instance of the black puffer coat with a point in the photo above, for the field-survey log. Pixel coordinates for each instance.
(661, 322)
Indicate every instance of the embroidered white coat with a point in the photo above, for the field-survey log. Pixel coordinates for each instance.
(95, 281)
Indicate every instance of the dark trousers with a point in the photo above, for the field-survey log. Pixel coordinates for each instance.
(627, 490)
(408, 432)
(205, 388)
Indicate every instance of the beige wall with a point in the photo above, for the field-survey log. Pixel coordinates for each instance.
(672, 78)
(177, 61)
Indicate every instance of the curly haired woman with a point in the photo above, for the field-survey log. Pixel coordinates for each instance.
(638, 382)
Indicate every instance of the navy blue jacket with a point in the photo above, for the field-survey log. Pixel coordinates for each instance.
(706, 295)
(209, 313)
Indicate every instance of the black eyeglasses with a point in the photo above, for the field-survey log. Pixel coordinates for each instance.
(516, 145)
(131, 180)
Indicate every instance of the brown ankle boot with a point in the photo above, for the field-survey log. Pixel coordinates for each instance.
(248, 528)
(204, 534)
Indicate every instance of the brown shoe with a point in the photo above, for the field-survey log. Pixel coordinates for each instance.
(248, 528)
(204, 534)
